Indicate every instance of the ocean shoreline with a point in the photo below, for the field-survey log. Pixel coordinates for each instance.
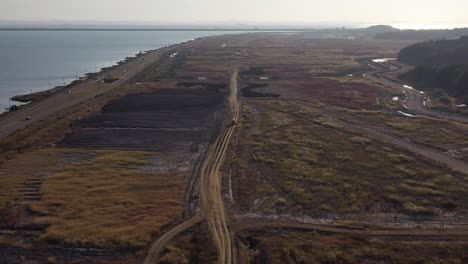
(39, 95)
(19, 100)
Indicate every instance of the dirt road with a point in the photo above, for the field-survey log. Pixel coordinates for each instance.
(78, 93)
(212, 205)
(158, 245)
(415, 234)
(210, 182)
(433, 154)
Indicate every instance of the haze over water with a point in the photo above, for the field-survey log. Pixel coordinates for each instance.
(30, 61)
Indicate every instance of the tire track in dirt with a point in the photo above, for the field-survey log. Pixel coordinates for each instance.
(210, 188)
(212, 204)
(432, 154)
(157, 247)
(421, 234)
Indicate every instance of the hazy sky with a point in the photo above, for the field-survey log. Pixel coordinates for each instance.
(310, 11)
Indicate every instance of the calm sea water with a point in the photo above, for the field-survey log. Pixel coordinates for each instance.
(32, 61)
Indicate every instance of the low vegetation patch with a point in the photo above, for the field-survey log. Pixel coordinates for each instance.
(109, 202)
(438, 133)
(313, 165)
(16, 170)
(341, 249)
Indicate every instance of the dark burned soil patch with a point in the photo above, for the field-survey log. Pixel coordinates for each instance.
(44, 253)
(209, 86)
(250, 91)
(168, 120)
(257, 70)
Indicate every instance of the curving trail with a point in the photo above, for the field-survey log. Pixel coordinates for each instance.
(158, 245)
(212, 203)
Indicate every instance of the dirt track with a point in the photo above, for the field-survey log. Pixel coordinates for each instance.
(259, 223)
(212, 204)
(158, 245)
(433, 154)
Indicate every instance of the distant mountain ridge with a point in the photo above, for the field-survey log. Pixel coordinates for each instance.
(381, 29)
(423, 35)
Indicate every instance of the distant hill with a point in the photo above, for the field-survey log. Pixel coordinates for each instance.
(440, 66)
(423, 35)
(381, 29)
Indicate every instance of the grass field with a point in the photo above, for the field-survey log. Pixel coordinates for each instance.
(310, 164)
(109, 202)
(16, 171)
(443, 134)
(341, 249)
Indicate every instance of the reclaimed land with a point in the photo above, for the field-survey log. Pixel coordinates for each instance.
(250, 148)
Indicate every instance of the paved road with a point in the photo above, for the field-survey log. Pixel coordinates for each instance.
(415, 97)
(213, 210)
(79, 93)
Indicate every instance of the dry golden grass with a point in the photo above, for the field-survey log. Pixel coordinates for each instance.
(15, 172)
(109, 202)
(4, 240)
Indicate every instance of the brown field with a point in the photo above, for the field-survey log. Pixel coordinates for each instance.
(118, 171)
(167, 120)
(300, 162)
(447, 136)
(296, 247)
(344, 94)
(113, 200)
